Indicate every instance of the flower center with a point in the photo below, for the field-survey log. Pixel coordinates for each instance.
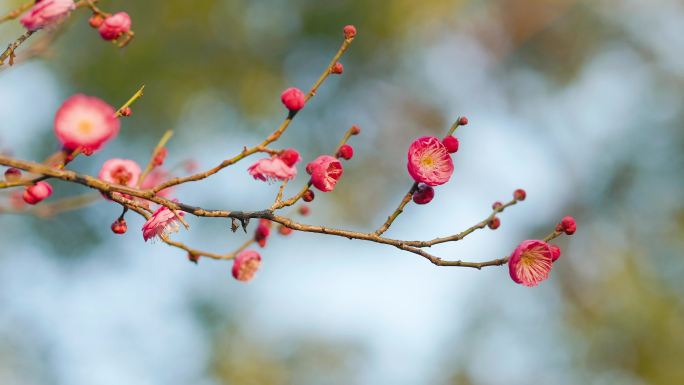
(121, 176)
(85, 127)
(427, 161)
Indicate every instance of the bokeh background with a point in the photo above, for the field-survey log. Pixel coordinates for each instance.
(580, 102)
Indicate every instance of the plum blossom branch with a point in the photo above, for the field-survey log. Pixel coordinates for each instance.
(83, 124)
(270, 139)
(108, 188)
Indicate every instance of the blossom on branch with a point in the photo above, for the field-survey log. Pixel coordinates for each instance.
(325, 171)
(46, 13)
(530, 262)
(429, 161)
(86, 123)
(124, 172)
(280, 167)
(162, 222)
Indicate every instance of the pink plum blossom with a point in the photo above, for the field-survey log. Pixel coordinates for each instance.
(85, 122)
(530, 262)
(46, 13)
(325, 172)
(114, 26)
(281, 167)
(429, 161)
(161, 223)
(245, 265)
(123, 172)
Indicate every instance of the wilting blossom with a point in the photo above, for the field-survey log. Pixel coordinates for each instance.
(37, 192)
(85, 122)
(280, 167)
(429, 161)
(530, 262)
(114, 26)
(162, 222)
(123, 172)
(246, 264)
(46, 13)
(325, 172)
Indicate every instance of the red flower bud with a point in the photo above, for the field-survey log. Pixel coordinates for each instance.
(463, 121)
(119, 226)
(494, 223)
(283, 230)
(337, 68)
(96, 20)
(349, 31)
(497, 205)
(160, 157)
(424, 194)
(451, 143)
(290, 156)
(194, 258)
(126, 111)
(345, 152)
(308, 196)
(37, 192)
(355, 130)
(12, 174)
(519, 194)
(262, 232)
(567, 225)
(304, 210)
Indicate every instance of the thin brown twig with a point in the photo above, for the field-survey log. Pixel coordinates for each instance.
(13, 14)
(9, 52)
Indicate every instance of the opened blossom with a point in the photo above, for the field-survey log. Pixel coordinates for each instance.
(114, 26)
(163, 222)
(86, 123)
(46, 13)
(429, 161)
(245, 265)
(530, 262)
(325, 171)
(280, 167)
(124, 172)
